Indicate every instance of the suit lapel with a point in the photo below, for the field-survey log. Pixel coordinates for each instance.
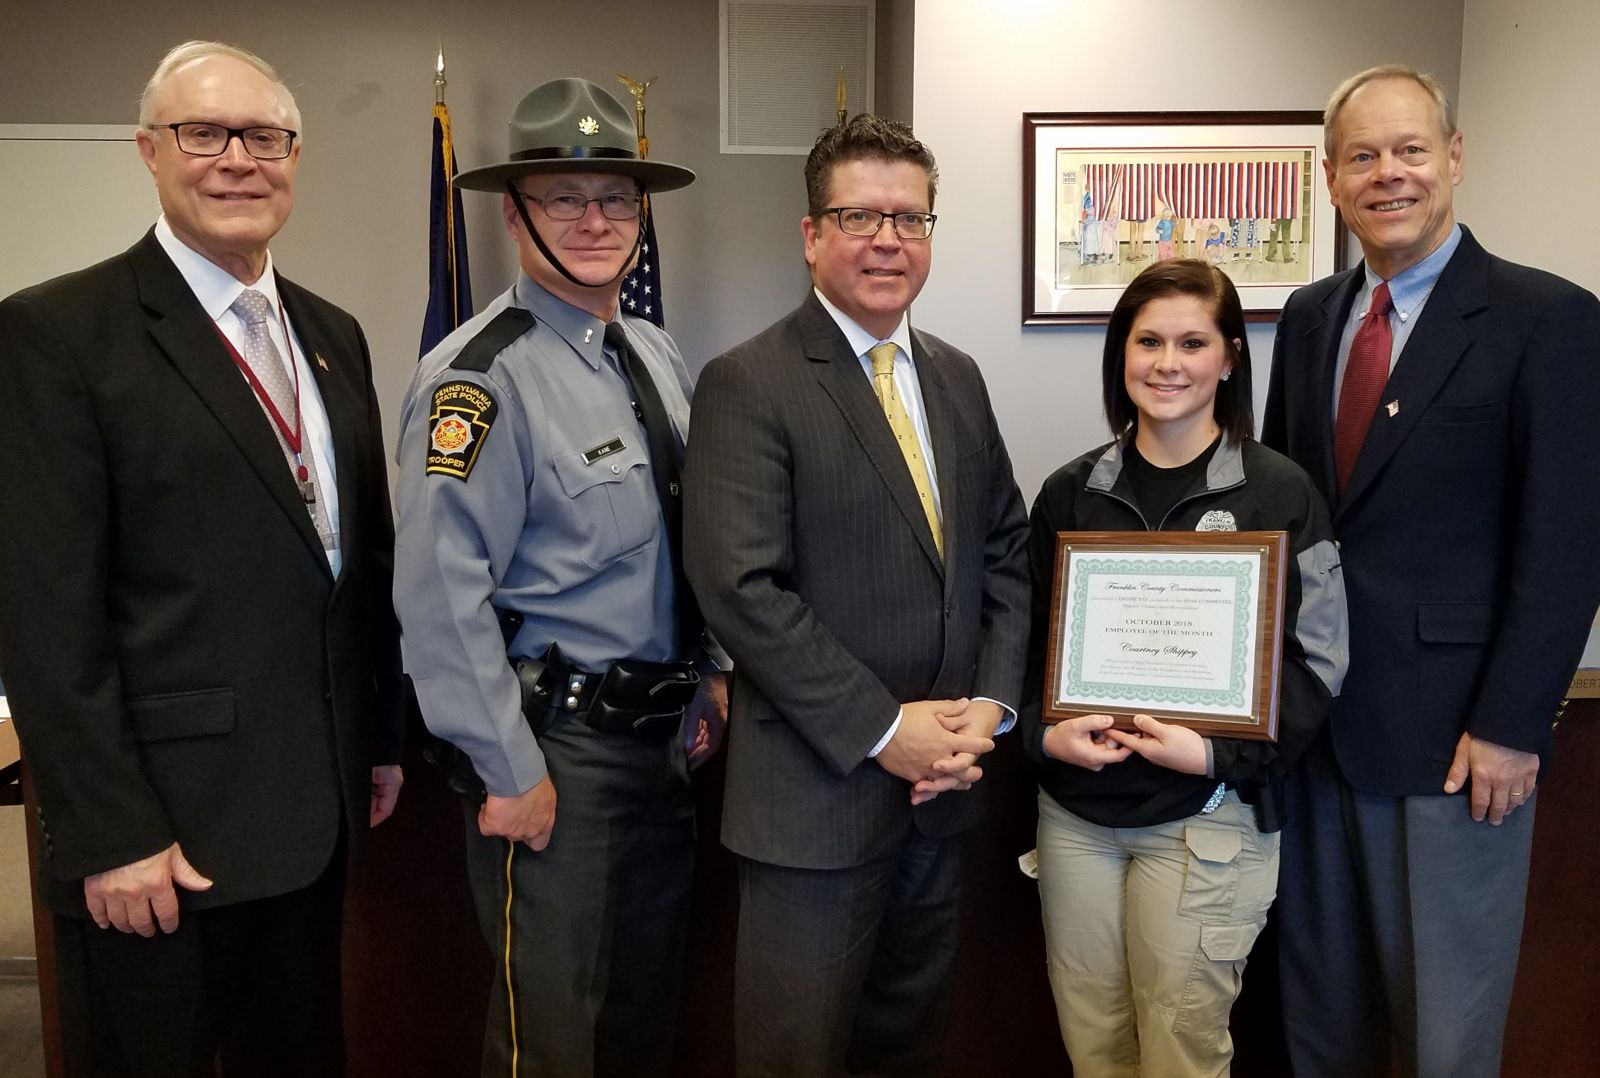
(326, 359)
(1431, 353)
(191, 343)
(1322, 345)
(841, 377)
(940, 410)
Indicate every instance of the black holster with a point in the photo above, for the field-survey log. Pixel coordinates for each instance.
(644, 699)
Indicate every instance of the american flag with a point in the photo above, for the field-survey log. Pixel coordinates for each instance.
(641, 289)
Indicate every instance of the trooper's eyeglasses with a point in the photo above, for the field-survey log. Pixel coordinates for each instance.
(571, 207)
(203, 139)
(860, 221)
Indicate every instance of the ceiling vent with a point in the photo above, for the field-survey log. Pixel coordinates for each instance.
(780, 70)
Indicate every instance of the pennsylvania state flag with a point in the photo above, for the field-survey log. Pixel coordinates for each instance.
(449, 285)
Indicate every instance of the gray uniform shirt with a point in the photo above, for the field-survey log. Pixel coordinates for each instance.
(527, 488)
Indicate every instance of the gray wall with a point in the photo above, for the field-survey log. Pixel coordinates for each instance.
(363, 74)
(1528, 85)
(980, 66)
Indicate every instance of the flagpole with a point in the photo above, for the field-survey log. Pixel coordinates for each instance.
(641, 289)
(449, 290)
(637, 89)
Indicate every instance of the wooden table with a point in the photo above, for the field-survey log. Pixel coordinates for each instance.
(10, 760)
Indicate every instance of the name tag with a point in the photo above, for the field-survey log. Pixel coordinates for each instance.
(603, 450)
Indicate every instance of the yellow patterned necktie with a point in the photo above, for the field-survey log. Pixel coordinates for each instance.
(882, 356)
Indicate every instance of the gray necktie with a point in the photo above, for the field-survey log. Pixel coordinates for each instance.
(267, 365)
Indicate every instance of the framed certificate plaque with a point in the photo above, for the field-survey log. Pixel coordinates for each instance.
(1186, 627)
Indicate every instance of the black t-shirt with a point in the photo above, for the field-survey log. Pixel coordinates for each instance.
(1156, 490)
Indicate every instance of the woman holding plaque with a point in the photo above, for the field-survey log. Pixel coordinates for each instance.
(1158, 847)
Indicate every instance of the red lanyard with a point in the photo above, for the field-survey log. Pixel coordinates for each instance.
(291, 435)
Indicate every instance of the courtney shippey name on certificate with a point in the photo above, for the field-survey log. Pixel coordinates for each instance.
(1184, 627)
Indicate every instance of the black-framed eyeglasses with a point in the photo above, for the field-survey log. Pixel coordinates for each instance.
(860, 221)
(617, 206)
(202, 139)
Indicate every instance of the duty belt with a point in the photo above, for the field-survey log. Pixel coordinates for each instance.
(644, 699)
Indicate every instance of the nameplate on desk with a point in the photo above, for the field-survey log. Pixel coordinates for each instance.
(1585, 685)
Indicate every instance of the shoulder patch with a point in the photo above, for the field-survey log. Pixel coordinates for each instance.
(462, 415)
(492, 339)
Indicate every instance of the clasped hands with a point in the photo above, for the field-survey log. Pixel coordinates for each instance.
(1090, 742)
(937, 745)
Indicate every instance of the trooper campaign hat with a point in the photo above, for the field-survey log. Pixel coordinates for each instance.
(572, 125)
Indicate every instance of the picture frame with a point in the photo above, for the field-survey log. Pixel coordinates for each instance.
(1099, 189)
(1186, 627)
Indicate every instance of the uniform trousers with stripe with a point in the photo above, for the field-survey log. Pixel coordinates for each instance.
(1147, 930)
(598, 920)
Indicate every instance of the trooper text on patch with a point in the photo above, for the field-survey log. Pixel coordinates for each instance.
(461, 418)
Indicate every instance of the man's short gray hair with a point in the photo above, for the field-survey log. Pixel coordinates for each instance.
(1341, 97)
(188, 53)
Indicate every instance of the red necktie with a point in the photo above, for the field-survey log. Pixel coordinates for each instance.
(1365, 373)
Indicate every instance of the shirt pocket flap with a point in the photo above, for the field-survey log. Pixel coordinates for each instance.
(1216, 845)
(578, 475)
(1455, 623)
(163, 716)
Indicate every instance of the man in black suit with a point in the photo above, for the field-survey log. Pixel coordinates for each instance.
(856, 541)
(194, 605)
(1439, 397)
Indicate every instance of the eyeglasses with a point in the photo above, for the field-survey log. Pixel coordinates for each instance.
(860, 221)
(211, 140)
(572, 207)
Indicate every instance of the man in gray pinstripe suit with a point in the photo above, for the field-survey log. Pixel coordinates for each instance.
(856, 540)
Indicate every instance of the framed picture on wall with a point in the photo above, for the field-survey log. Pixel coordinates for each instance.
(1105, 194)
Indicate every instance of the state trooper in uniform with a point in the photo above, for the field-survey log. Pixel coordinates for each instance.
(547, 627)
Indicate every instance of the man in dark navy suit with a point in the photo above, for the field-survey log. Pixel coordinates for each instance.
(1442, 400)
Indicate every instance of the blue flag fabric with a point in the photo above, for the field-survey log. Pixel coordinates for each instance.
(449, 284)
(641, 289)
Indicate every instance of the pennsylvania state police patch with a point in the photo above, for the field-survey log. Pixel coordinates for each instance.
(462, 415)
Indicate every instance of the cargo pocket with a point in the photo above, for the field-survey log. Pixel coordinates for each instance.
(1228, 943)
(1215, 978)
(1212, 874)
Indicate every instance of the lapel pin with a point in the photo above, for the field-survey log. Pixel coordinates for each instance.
(320, 361)
(1393, 408)
(588, 335)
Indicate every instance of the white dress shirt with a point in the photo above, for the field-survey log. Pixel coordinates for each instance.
(909, 388)
(217, 289)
